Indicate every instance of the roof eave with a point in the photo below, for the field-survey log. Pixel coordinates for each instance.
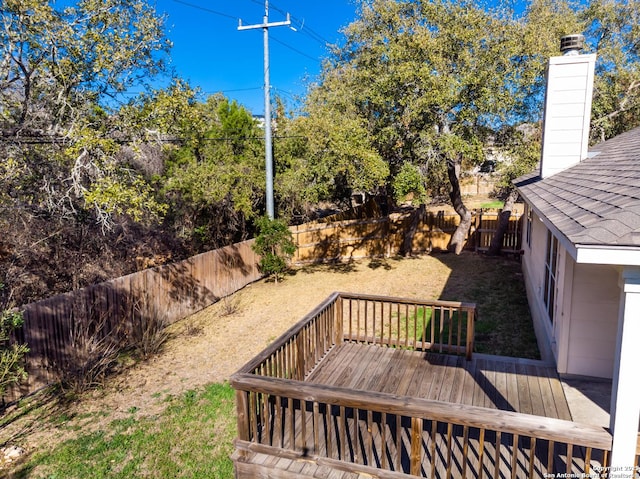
(589, 253)
(611, 255)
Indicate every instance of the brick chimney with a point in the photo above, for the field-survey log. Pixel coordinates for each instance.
(567, 110)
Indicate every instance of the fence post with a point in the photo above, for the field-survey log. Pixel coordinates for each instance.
(478, 226)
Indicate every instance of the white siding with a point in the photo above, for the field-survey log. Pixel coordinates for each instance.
(533, 267)
(594, 320)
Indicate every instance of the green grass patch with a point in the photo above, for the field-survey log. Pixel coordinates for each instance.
(418, 324)
(503, 326)
(497, 204)
(413, 323)
(192, 438)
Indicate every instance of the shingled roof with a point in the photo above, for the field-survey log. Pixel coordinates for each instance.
(597, 201)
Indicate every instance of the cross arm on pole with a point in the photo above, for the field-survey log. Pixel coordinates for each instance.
(286, 23)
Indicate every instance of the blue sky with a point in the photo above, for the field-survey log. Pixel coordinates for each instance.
(214, 56)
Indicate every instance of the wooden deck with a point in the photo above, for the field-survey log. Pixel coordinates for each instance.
(508, 384)
(354, 390)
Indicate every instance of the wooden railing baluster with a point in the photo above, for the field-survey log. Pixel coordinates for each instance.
(415, 460)
(369, 450)
(514, 456)
(398, 424)
(497, 454)
(481, 454)
(550, 455)
(434, 430)
(532, 456)
(343, 433)
(465, 450)
(569, 458)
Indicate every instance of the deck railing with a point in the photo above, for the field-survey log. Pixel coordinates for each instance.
(440, 326)
(280, 414)
(424, 438)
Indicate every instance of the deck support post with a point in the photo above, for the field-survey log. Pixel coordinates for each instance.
(625, 407)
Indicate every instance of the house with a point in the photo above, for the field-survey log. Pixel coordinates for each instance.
(581, 245)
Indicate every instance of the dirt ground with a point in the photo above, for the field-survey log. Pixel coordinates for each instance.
(212, 344)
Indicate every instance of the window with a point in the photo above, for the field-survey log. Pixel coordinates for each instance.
(551, 267)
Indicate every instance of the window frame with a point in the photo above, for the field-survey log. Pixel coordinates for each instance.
(550, 276)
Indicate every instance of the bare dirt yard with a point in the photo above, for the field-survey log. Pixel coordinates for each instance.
(212, 344)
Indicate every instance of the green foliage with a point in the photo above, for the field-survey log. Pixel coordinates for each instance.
(428, 80)
(215, 180)
(59, 65)
(409, 181)
(191, 438)
(11, 353)
(323, 156)
(274, 243)
(433, 81)
(522, 146)
(611, 28)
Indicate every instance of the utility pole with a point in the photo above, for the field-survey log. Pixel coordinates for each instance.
(268, 155)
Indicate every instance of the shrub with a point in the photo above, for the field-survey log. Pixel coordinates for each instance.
(274, 243)
(11, 352)
(92, 355)
(149, 330)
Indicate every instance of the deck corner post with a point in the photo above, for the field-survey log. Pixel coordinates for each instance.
(242, 405)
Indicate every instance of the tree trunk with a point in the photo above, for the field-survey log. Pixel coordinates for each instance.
(416, 217)
(503, 224)
(456, 243)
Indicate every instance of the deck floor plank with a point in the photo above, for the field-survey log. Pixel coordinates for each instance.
(524, 393)
(535, 393)
(512, 387)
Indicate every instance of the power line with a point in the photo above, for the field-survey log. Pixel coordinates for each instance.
(299, 52)
(205, 9)
(306, 30)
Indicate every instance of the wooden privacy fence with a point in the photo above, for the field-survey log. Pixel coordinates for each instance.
(398, 233)
(124, 305)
